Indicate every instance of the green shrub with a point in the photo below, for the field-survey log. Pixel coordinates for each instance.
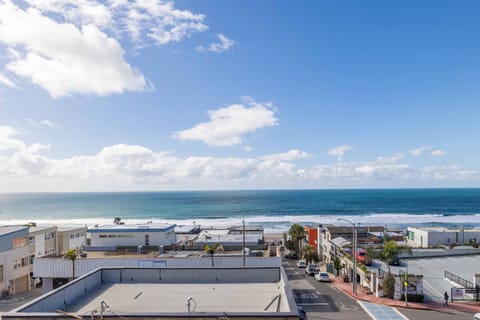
(389, 286)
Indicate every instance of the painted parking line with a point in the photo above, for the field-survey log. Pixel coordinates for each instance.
(381, 312)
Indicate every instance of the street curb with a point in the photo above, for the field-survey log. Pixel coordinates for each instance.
(409, 307)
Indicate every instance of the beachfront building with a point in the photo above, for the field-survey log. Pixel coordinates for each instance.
(14, 260)
(426, 237)
(109, 237)
(163, 292)
(42, 241)
(232, 238)
(70, 238)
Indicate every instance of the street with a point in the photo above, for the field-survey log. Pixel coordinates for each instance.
(325, 301)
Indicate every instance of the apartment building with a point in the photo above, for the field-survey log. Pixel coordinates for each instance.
(149, 234)
(14, 260)
(70, 238)
(425, 237)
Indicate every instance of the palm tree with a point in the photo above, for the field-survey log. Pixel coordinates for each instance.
(118, 220)
(310, 254)
(298, 234)
(71, 255)
(212, 250)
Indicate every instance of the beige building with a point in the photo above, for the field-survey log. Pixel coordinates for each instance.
(70, 238)
(14, 260)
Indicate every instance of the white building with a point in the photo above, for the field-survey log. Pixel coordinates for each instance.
(70, 238)
(425, 237)
(14, 260)
(150, 234)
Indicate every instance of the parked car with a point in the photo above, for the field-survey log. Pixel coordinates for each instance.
(322, 277)
(291, 255)
(301, 264)
(476, 316)
(362, 257)
(302, 314)
(393, 262)
(311, 269)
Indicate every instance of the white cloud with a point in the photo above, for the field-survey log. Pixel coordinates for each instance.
(438, 153)
(131, 167)
(225, 44)
(71, 46)
(6, 81)
(45, 123)
(247, 149)
(7, 142)
(339, 151)
(228, 125)
(287, 156)
(63, 59)
(417, 152)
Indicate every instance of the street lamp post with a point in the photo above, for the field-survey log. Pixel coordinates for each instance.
(354, 253)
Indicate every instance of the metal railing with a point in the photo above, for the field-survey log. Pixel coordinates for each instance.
(457, 279)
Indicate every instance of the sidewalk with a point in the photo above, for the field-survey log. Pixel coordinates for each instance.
(467, 307)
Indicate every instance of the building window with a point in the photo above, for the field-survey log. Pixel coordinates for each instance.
(31, 240)
(50, 235)
(102, 235)
(31, 258)
(71, 236)
(147, 240)
(1, 272)
(19, 242)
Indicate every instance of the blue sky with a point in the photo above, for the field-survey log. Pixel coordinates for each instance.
(157, 95)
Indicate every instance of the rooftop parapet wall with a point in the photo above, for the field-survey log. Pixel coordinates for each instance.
(244, 293)
(62, 268)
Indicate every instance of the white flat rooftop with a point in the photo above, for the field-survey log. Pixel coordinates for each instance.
(124, 298)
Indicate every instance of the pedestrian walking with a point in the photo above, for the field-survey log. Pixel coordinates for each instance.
(445, 297)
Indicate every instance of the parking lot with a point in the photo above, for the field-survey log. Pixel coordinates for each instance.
(433, 271)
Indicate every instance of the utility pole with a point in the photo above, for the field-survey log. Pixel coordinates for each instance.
(243, 242)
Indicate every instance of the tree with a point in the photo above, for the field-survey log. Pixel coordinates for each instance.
(71, 255)
(298, 234)
(389, 285)
(212, 250)
(337, 264)
(118, 220)
(391, 250)
(290, 245)
(310, 254)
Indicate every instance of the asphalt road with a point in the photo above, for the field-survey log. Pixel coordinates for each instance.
(324, 301)
(321, 300)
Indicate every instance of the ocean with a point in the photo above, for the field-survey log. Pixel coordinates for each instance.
(276, 210)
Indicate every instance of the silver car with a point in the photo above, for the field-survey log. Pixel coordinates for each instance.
(322, 277)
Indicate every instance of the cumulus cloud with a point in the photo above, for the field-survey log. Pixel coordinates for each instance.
(7, 141)
(287, 156)
(223, 45)
(71, 46)
(438, 153)
(339, 151)
(228, 126)
(417, 152)
(136, 166)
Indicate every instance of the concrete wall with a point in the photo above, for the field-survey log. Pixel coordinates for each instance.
(216, 275)
(62, 268)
